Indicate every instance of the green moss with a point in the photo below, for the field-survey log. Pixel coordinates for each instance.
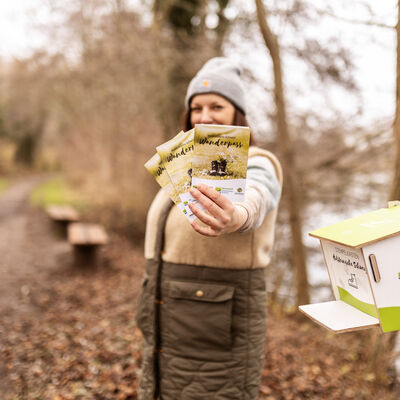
(3, 184)
(55, 191)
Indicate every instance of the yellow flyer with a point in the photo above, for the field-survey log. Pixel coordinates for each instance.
(157, 168)
(220, 159)
(176, 154)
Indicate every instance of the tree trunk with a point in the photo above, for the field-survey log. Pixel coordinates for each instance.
(395, 189)
(288, 161)
(188, 46)
(382, 347)
(26, 149)
(118, 101)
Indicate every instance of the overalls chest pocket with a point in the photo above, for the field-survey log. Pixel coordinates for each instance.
(196, 319)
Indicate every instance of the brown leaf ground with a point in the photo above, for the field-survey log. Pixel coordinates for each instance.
(70, 334)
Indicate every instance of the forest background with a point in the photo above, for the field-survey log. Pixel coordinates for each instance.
(104, 84)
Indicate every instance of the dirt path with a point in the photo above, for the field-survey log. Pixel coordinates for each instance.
(27, 247)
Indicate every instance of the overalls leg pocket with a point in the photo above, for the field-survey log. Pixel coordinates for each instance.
(197, 318)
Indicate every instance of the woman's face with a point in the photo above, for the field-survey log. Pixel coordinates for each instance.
(211, 109)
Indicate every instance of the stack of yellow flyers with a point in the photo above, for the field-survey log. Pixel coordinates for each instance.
(215, 155)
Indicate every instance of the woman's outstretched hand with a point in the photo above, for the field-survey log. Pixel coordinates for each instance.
(222, 217)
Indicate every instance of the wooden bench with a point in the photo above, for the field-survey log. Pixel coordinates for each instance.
(86, 239)
(62, 215)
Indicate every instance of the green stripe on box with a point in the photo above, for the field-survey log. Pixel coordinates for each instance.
(390, 318)
(360, 305)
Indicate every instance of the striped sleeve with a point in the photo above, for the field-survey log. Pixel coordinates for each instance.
(263, 192)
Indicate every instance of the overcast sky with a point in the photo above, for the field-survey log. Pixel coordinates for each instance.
(16, 21)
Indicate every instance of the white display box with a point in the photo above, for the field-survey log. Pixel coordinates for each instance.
(362, 255)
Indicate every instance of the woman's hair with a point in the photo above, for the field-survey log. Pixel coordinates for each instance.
(239, 119)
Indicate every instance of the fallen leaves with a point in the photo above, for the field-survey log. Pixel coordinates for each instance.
(305, 363)
(81, 342)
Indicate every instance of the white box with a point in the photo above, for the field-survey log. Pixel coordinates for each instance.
(362, 255)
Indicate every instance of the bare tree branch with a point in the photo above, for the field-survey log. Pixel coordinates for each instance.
(355, 21)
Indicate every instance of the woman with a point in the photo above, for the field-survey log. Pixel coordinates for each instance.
(203, 305)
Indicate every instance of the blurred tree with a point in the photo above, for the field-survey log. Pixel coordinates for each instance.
(395, 188)
(26, 103)
(188, 20)
(181, 27)
(107, 91)
(326, 177)
(27, 143)
(382, 352)
(3, 130)
(288, 161)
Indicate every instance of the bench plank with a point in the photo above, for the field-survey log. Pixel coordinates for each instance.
(62, 213)
(86, 234)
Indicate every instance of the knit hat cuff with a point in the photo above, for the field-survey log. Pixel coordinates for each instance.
(224, 80)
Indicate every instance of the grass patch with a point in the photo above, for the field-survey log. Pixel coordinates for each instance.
(56, 191)
(3, 184)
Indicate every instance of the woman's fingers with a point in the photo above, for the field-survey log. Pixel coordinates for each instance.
(215, 203)
(218, 214)
(204, 230)
(212, 194)
(206, 218)
(208, 204)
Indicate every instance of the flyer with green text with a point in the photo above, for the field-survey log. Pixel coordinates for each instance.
(220, 159)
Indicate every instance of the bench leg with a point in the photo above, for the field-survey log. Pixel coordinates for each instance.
(61, 228)
(86, 256)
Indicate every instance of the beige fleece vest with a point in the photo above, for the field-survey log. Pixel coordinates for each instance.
(236, 250)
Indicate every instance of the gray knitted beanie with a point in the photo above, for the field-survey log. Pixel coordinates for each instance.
(220, 76)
